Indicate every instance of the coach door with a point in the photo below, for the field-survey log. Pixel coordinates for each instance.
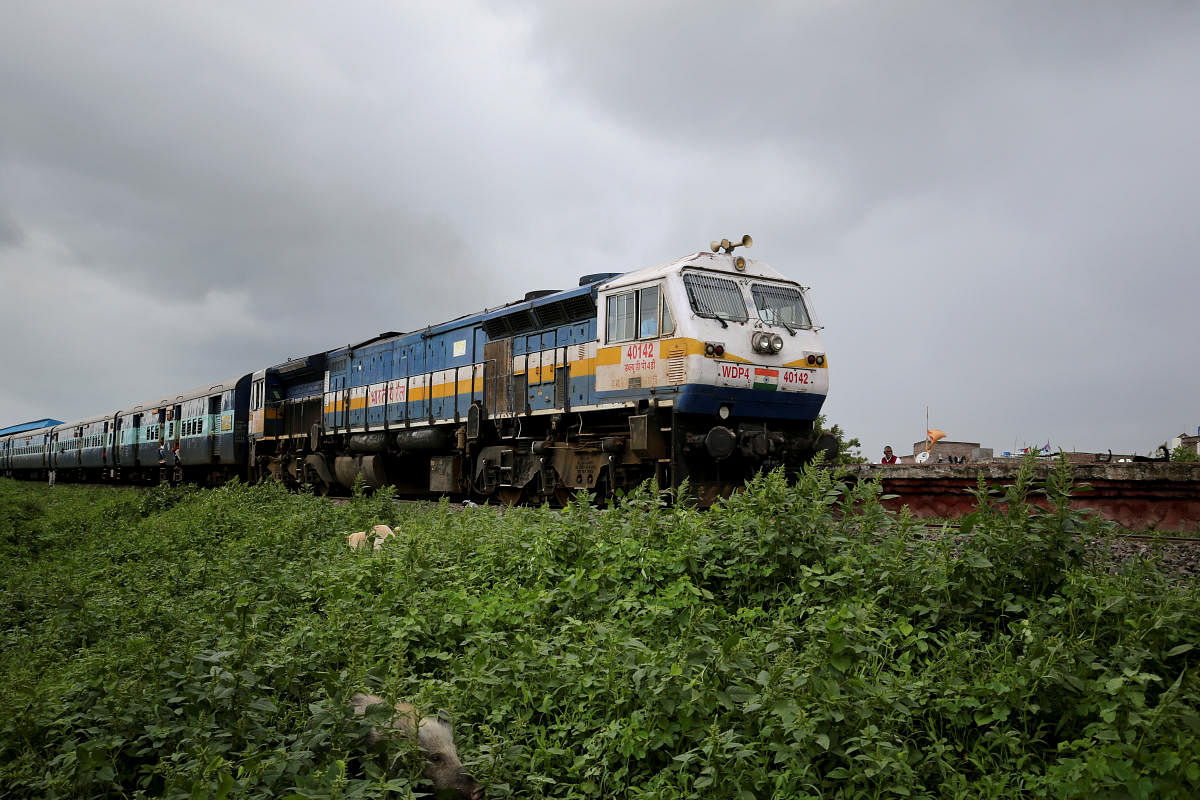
(258, 394)
(174, 419)
(211, 422)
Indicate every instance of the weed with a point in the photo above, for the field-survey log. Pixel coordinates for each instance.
(794, 641)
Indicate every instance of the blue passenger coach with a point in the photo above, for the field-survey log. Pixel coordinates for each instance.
(25, 448)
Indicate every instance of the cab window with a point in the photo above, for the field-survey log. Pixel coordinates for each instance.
(780, 305)
(648, 308)
(622, 317)
(638, 314)
(716, 298)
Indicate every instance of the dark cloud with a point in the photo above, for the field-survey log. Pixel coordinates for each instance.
(11, 234)
(993, 202)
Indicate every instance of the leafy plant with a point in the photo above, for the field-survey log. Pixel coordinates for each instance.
(796, 640)
(1184, 453)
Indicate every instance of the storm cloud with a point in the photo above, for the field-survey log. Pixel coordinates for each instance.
(994, 203)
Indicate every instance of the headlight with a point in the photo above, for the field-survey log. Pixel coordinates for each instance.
(761, 342)
(776, 343)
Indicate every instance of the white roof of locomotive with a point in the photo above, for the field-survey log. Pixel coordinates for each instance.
(720, 262)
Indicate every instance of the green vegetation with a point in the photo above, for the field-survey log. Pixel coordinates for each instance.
(794, 642)
(849, 450)
(1182, 453)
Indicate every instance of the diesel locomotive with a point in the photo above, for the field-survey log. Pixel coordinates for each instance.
(708, 368)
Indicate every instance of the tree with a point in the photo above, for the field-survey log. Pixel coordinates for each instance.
(1185, 453)
(848, 449)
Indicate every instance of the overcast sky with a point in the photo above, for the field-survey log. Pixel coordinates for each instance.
(996, 204)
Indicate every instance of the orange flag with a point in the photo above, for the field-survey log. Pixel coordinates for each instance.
(934, 436)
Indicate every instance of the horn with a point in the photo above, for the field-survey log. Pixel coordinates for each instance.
(728, 246)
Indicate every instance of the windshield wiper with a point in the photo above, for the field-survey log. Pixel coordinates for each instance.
(702, 307)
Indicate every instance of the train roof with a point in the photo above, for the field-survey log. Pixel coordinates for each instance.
(34, 425)
(721, 262)
(84, 421)
(543, 308)
(205, 390)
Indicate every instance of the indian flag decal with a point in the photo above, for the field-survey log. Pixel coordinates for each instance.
(766, 378)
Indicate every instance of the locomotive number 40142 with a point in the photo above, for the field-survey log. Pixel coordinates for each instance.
(640, 350)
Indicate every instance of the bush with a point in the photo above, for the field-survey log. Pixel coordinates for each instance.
(793, 641)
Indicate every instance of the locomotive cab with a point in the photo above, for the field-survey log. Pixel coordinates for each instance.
(727, 353)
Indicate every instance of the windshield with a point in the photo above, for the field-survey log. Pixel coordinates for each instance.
(715, 297)
(780, 305)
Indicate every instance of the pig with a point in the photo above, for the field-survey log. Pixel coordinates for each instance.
(357, 540)
(435, 737)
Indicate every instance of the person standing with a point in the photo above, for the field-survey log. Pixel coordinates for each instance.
(889, 457)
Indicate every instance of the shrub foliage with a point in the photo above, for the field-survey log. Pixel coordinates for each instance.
(795, 641)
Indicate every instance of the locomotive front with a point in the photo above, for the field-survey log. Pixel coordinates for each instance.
(725, 356)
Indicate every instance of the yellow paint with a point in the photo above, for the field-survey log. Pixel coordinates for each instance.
(608, 356)
(543, 373)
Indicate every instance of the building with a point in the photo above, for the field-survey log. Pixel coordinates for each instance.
(946, 449)
(1188, 442)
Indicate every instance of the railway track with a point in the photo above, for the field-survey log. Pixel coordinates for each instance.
(1191, 541)
(950, 525)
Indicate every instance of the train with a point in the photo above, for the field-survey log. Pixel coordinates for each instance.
(705, 369)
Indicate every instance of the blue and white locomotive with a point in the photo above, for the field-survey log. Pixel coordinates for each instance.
(707, 368)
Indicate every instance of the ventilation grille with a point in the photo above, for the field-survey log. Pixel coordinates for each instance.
(562, 381)
(676, 370)
(517, 322)
(551, 316)
(548, 315)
